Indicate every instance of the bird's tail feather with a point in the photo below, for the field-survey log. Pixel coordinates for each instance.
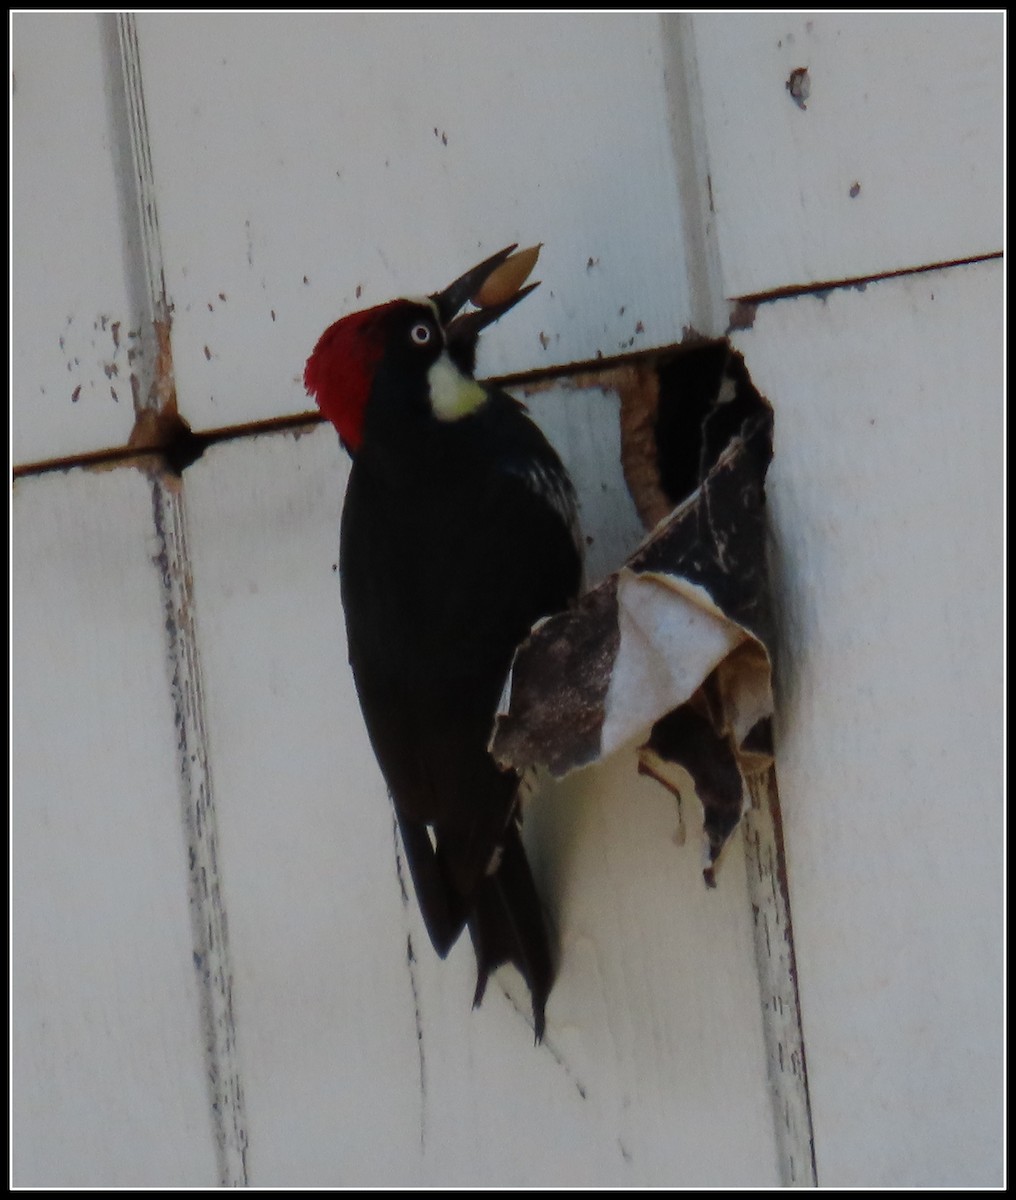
(507, 925)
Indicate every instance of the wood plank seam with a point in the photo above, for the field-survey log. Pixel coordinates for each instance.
(765, 863)
(172, 560)
(207, 907)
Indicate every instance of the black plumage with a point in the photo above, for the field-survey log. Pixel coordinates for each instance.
(458, 533)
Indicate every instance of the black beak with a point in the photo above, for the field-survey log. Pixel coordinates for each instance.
(463, 330)
(466, 327)
(456, 294)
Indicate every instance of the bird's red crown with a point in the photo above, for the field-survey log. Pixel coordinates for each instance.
(340, 371)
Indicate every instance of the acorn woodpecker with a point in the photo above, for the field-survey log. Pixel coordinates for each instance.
(459, 531)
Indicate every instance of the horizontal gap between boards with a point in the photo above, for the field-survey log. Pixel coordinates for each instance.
(130, 456)
(821, 289)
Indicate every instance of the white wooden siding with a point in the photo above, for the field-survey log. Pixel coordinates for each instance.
(109, 1082)
(308, 168)
(342, 1038)
(77, 329)
(889, 745)
(905, 106)
(305, 165)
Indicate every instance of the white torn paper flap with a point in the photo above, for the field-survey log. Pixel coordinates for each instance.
(671, 638)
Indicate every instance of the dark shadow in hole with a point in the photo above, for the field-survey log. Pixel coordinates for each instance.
(705, 398)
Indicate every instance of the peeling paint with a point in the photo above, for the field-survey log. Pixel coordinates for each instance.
(208, 916)
(156, 418)
(742, 315)
(768, 888)
(799, 86)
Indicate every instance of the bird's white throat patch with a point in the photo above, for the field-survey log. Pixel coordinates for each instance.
(452, 394)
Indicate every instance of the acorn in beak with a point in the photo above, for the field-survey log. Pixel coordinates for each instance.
(494, 286)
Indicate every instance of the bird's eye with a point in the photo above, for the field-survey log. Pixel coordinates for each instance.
(421, 334)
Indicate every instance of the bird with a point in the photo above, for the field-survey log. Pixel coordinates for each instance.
(459, 531)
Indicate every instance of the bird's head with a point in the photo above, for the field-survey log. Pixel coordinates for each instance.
(419, 352)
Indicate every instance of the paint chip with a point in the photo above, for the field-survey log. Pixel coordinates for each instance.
(799, 86)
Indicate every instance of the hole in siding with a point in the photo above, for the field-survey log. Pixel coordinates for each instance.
(168, 434)
(158, 425)
(183, 446)
(674, 430)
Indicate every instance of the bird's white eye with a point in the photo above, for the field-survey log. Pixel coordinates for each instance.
(421, 334)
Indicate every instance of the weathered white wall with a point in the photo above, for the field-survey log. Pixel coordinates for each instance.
(76, 317)
(108, 1077)
(886, 502)
(887, 506)
(906, 106)
(402, 145)
(360, 1067)
(296, 174)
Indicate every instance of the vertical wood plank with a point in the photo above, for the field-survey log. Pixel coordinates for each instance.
(169, 519)
(208, 914)
(77, 316)
(886, 494)
(775, 957)
(322, 989)
(109, 1081)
